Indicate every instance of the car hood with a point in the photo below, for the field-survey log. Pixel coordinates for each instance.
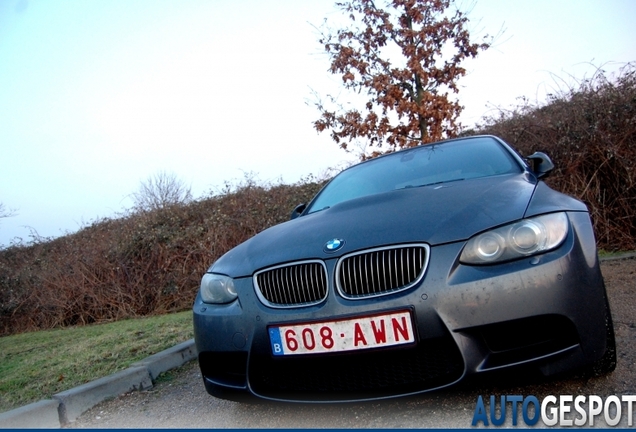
(435, 214)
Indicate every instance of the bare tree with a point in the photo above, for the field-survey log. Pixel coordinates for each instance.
(161, 190)
(5, 212)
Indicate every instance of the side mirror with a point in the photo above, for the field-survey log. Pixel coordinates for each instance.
(540, 164)
(298, 210)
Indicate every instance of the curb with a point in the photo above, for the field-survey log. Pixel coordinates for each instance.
(37, 415)
(75, 401)
(168, 359)
(66, 406)
(622, 256)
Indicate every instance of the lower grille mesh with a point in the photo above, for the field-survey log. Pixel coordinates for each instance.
(433, 363)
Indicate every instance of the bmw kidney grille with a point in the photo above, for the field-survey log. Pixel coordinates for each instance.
(381, 271)
(368, 273)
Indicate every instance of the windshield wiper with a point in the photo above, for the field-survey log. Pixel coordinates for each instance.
(431, 184)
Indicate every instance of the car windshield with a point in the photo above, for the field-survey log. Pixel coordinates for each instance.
(421, 166)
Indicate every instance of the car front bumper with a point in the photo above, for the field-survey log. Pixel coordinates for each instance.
(546, 311)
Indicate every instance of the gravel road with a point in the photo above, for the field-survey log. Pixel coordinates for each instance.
(181, 402)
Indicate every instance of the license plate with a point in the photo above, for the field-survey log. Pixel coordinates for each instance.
(349, 334)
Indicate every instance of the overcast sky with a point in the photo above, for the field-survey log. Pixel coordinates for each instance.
(98, 95)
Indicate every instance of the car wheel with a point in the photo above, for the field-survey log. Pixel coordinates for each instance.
(607, 363)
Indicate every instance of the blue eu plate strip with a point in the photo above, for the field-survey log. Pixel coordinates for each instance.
(275, 340)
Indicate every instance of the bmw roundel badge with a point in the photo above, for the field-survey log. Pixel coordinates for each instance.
(333, 245)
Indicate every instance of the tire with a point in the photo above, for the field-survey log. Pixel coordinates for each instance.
(607, 363)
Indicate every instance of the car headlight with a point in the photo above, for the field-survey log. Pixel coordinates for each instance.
(520, 239)
(216, 288)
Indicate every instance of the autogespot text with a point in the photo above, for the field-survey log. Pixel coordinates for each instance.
(563, 410)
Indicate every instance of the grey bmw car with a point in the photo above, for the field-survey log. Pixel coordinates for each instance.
(407, 273)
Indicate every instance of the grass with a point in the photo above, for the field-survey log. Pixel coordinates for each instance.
(36, 365)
